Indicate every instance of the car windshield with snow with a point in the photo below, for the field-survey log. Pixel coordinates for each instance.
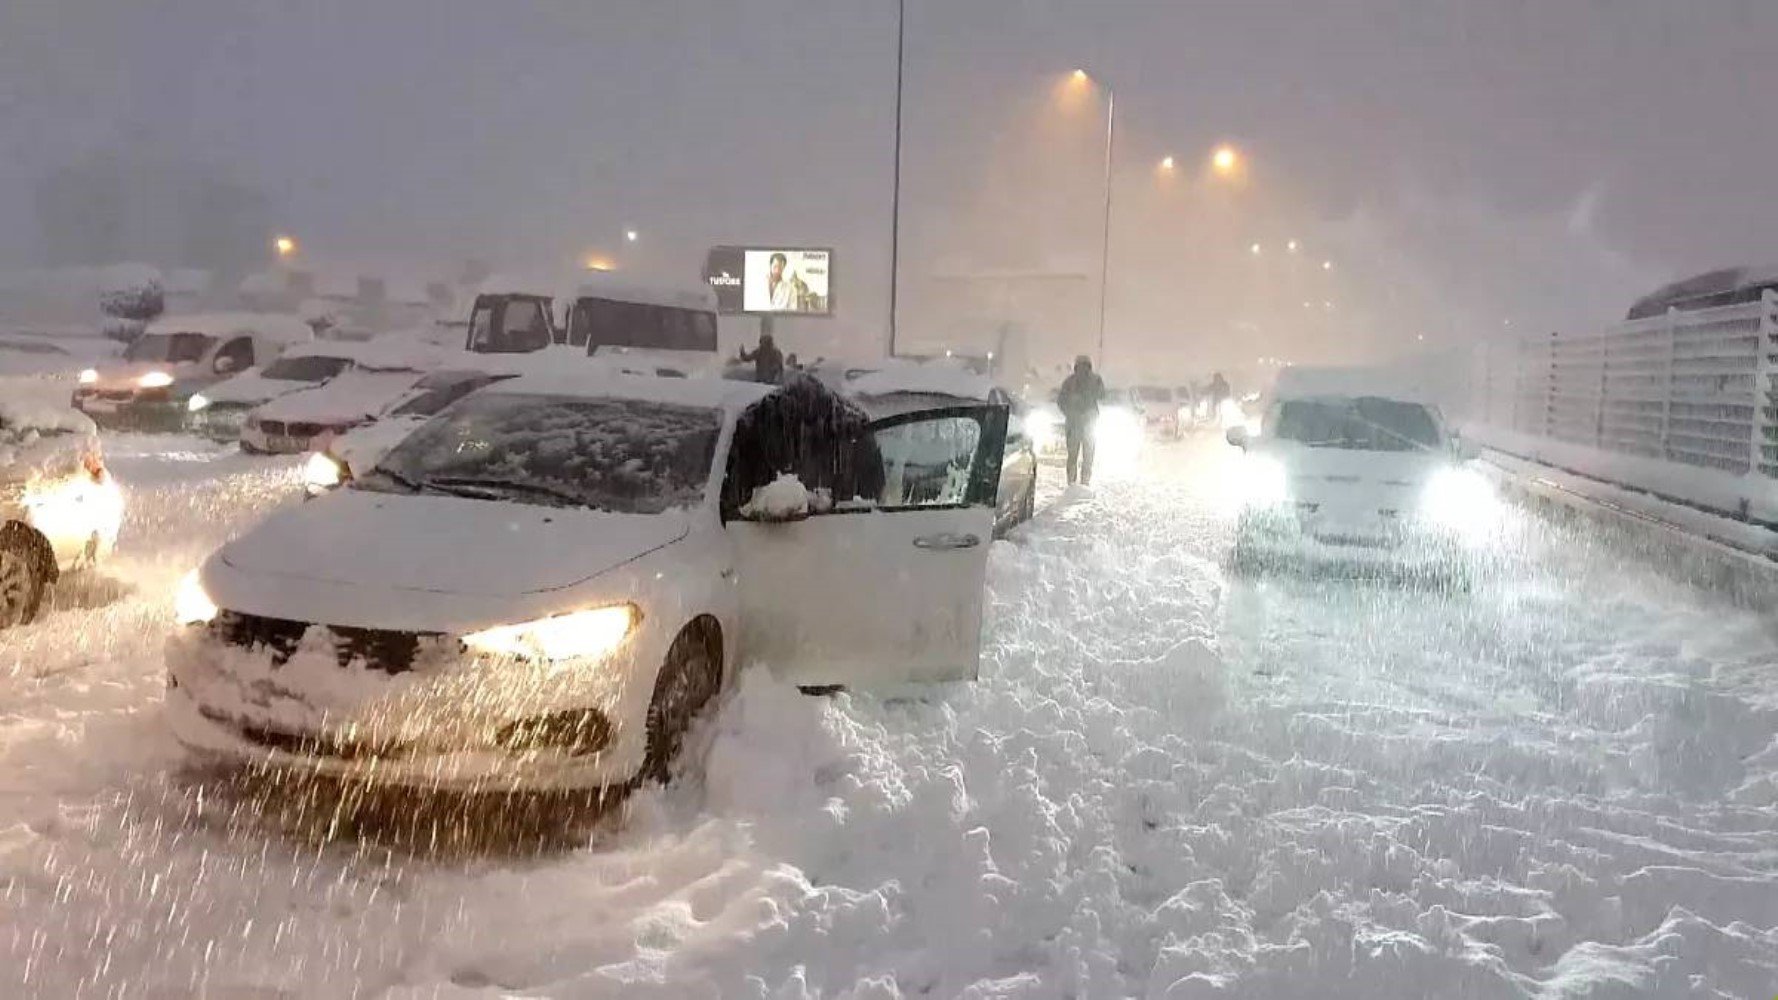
(621, 455)
(542, 586)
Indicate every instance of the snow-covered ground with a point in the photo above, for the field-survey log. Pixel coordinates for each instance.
(1168, 783)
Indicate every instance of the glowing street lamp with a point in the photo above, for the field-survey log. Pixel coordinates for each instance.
(1293, 246)
(632, 235)
(1255, 249)
(596, 262)
(1327, 265)
(1080, 76)
(1167, 163)
(285, 246)
(1225, 160)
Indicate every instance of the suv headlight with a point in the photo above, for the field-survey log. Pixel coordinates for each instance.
(191, 605)
(1460, 500)
(591, 634)
(197, 402)
(323, 472)
(1265, 482)
(155, 380)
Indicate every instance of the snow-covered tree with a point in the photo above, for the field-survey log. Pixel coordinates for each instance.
(132, 296)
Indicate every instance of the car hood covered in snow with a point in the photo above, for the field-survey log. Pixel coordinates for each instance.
(363, 447)
(251, 388)
(359, 394)
(357, 557)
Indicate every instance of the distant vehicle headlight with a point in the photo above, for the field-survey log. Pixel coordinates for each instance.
(197, 402)
(591, 634)
(323, 472)
(1119, 427)
(191, 606)
(1265, 482)
(89, 376)
(1460, 500)
(155, 380)
(1230, 414)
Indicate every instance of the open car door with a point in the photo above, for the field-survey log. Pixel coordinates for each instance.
(890, 591)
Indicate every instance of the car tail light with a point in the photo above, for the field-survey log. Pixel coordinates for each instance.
(94, 465)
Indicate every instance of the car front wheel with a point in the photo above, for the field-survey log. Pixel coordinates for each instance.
(23, 577)
(687, 683)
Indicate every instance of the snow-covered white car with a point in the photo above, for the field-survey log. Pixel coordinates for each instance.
(383, 371)
(543, 586)
(151, 385)
(1347, 472)
(59, 508)
(219, 411)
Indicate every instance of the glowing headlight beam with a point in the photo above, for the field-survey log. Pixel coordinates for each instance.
(322, 472)
(88, 376)
(191, 606)
(590, 634)
(197, 403)
(155, 380)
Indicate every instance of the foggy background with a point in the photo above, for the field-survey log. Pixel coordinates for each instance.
(1472, 168)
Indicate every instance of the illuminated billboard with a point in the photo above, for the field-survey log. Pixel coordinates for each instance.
(771, 280)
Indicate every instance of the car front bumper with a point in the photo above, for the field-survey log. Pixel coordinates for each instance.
(136, 412)
(436, 727)
(1279, 536)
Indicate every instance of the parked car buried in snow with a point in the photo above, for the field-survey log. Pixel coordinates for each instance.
(219, 411)
(59, 508)
(543, 586)
(151, 386)
(1347, 473)
(362, 447)
(383, 371)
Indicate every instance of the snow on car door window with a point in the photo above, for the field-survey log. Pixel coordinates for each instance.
(929, 463)
(622, 455)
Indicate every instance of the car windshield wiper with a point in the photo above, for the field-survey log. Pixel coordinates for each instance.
(493, 486)
(407, 482)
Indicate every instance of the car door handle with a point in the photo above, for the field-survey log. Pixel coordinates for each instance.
(946, 540)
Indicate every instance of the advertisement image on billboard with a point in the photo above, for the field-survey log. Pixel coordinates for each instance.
(771, 280)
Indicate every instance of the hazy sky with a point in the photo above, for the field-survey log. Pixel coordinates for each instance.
(1427, 142)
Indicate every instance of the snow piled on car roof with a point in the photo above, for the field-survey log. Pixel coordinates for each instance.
(1389, 383)
(927, 380)
(353, 394)
(595, 381)
(273, 326)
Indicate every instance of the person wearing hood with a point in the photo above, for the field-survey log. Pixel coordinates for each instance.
(1079, 400)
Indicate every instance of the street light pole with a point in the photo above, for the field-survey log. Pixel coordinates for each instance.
(1105, 249)
(901, 20)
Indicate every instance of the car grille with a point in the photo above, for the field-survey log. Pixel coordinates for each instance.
(309, 744)
(117, 395)
(387, 651)
(272, 426)
(303, 430)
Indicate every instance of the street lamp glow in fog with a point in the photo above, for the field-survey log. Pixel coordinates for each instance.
(632, 235)
(1255, 249)
(1166, 163)
(1225, 160)
(284, 245)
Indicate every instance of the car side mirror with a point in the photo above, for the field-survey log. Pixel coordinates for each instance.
(226, 365)
(1238, 436)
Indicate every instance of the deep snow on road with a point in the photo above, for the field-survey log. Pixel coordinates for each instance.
(1167, 783)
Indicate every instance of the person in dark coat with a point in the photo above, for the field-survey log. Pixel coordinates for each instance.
(768, 361)
(1079, 400)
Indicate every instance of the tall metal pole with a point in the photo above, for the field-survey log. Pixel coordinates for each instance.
(901, 21)
(1105, 250)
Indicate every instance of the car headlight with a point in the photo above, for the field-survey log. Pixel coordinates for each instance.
(591, 634)
(197, 402)
(1461, 500)
(1265, 482)
(155, 380)
(323, 472)
(88, 376)
(191, 605)
(1119, 426)
(1230, 414)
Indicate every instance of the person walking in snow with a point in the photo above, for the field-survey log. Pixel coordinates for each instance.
(768, 361)
(1079, 400)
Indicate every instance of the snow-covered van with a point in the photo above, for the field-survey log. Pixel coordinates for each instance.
(1350, 465)
(151, 385)
(546, 584)
(675, 329)
(59, 508)
(219, 411)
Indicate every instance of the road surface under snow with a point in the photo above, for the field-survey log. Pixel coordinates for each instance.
(1168, 783)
